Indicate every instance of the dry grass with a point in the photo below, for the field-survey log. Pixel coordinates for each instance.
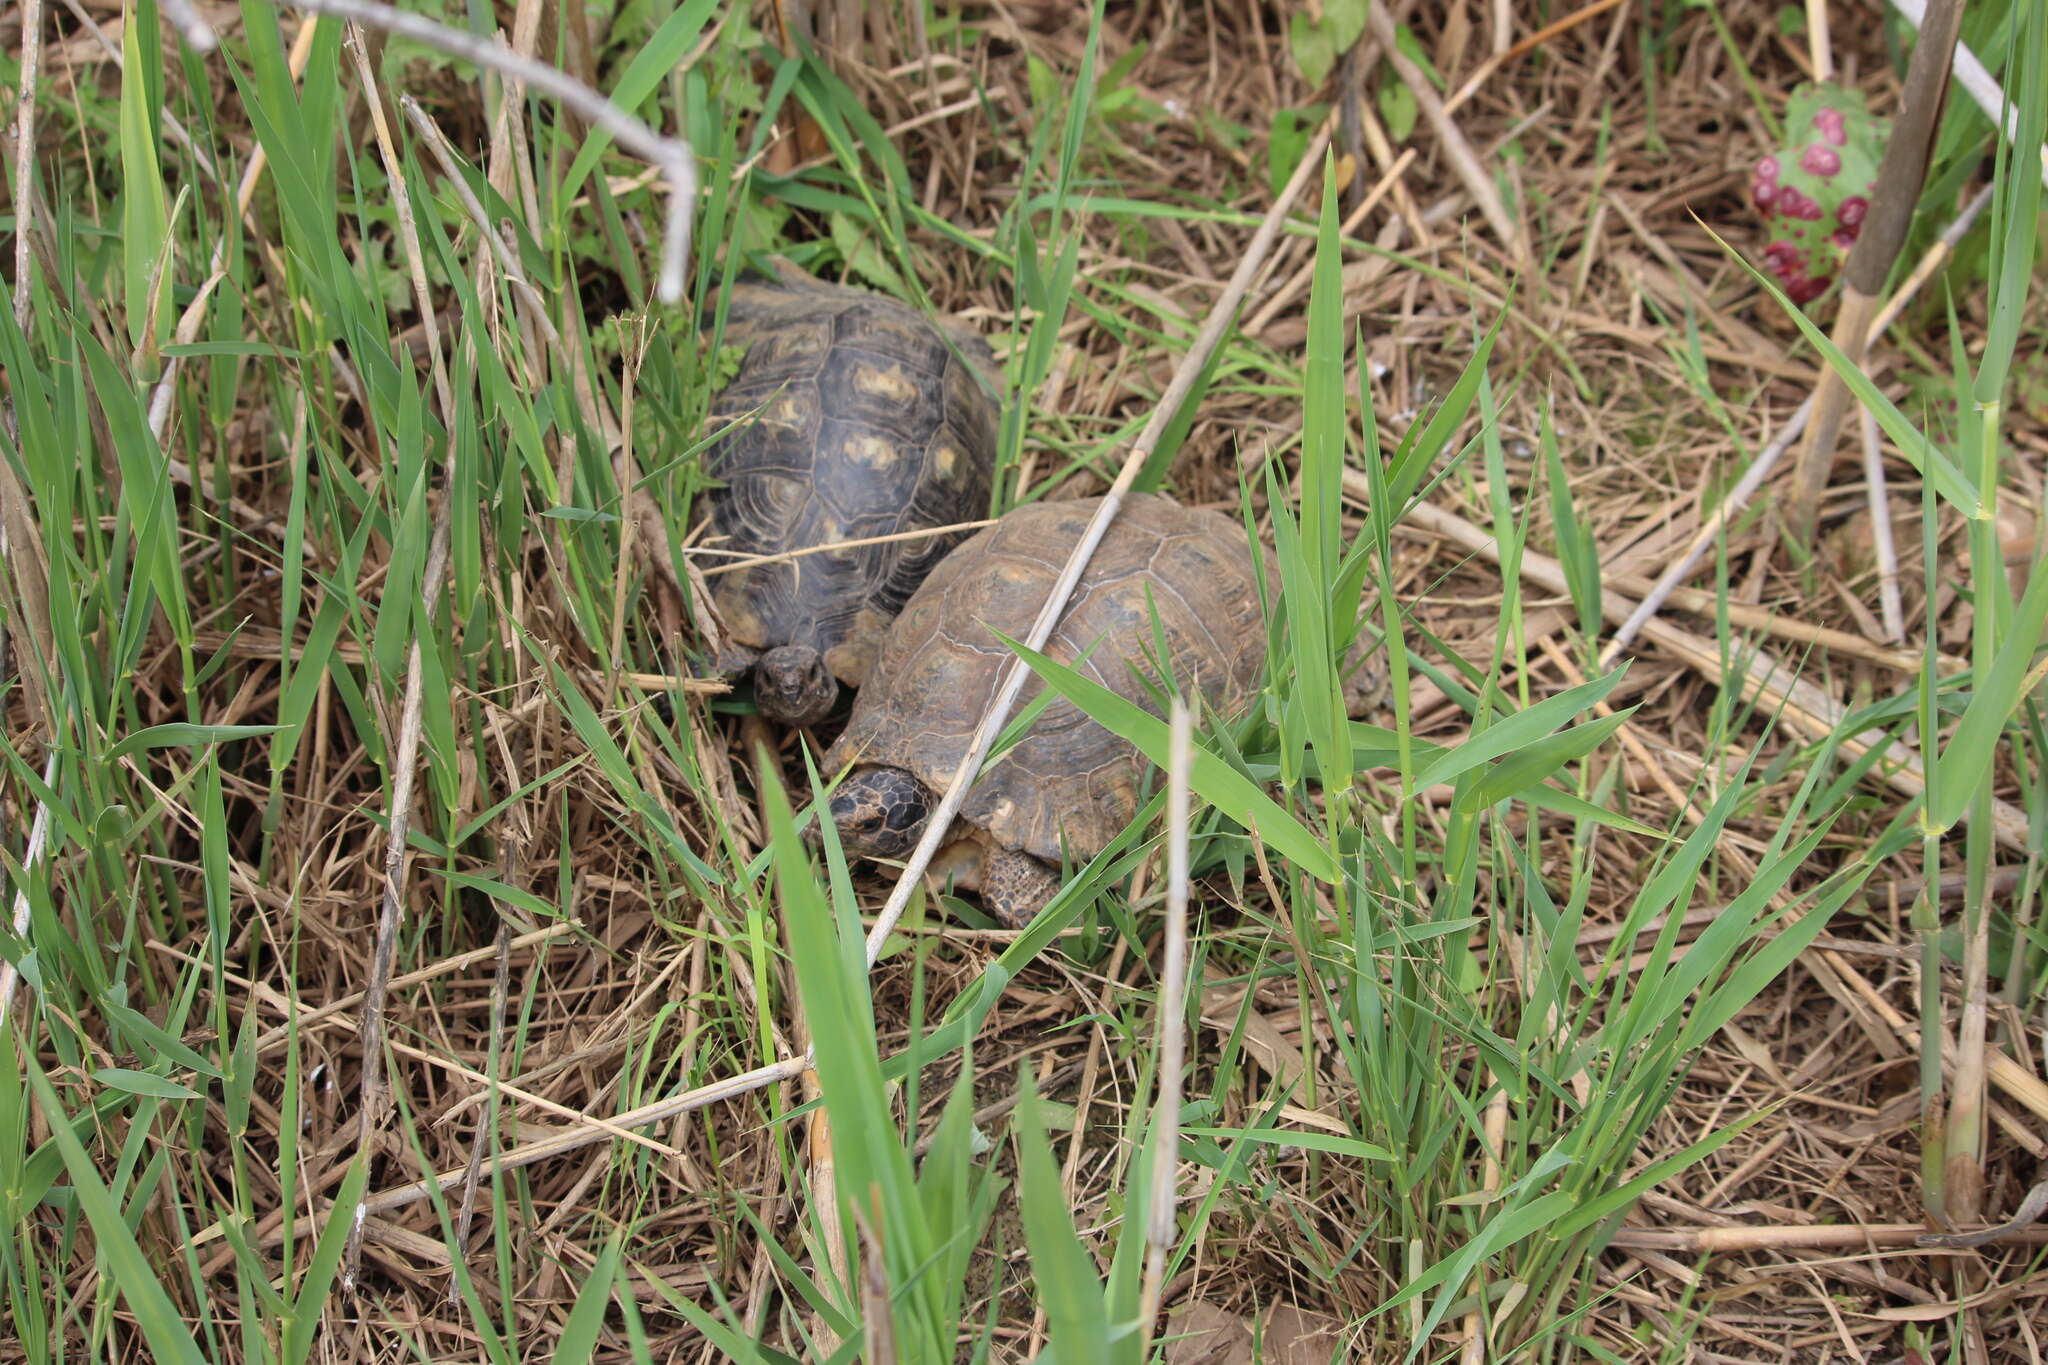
(660, 989)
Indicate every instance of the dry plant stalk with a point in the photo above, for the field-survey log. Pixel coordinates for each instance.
(1886, 552)
(1173, 1010)
(1804, 1237)
(1900, 176)
(472, 1177)
(741, 560)
(405, 753)
(397, 855)
(527, 1154)
(25, 108)
(19, 544)
(1979, 84)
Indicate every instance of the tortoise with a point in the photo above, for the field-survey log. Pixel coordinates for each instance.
(855, 418)
(1069, 784)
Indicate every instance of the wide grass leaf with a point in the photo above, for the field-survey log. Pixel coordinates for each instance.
(1967, 761)
(1068, 1287)
(143, 1083)
(304, 1315)
(578, 1341)
(1521, 730)
(182, 734)
(1222, 786)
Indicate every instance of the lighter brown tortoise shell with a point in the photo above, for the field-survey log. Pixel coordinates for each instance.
(940, 666)
(870, 423)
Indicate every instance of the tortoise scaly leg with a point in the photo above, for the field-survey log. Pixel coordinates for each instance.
(1016, 886)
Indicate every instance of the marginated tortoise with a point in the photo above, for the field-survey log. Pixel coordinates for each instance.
(1069, 785)
(857, 418)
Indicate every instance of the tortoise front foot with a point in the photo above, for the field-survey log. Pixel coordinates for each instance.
(1016, 886)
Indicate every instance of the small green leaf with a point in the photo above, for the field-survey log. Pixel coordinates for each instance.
(143, 1083)
(1296, 1137)
(578, 1341)
(182, 734)
(1399, 111)
(145, 214)
(1534, 763)
(1068, 1286)
(1314, 47)
(1519, 730)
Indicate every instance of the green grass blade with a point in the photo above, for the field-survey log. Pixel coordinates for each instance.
(578, 1342)
(1223, 787)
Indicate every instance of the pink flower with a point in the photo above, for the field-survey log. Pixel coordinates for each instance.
(1767, 169)
(1845, 238)
(1829, 121)
(1820, 161)
(1763, 192)
(1852, 211)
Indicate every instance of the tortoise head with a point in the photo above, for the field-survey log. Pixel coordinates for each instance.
(793, 686)
(880, 812)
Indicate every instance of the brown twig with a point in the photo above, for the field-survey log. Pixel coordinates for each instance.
(1819, 50)
(544, 1149)
(508, 261)
(1900, 176)
(747, 561)
(2024, 1217)
(1812, 1237)
(446, 966)
(25, 154)
(405, 754)
(38, 843)
(1699, 602)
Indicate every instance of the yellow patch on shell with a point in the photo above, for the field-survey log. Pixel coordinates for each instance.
(948, 463)
(872, 451)
(850, 659)
(884, 382)
(741, 623)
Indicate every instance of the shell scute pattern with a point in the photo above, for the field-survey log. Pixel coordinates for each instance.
(1069, 781)
(858, 418)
